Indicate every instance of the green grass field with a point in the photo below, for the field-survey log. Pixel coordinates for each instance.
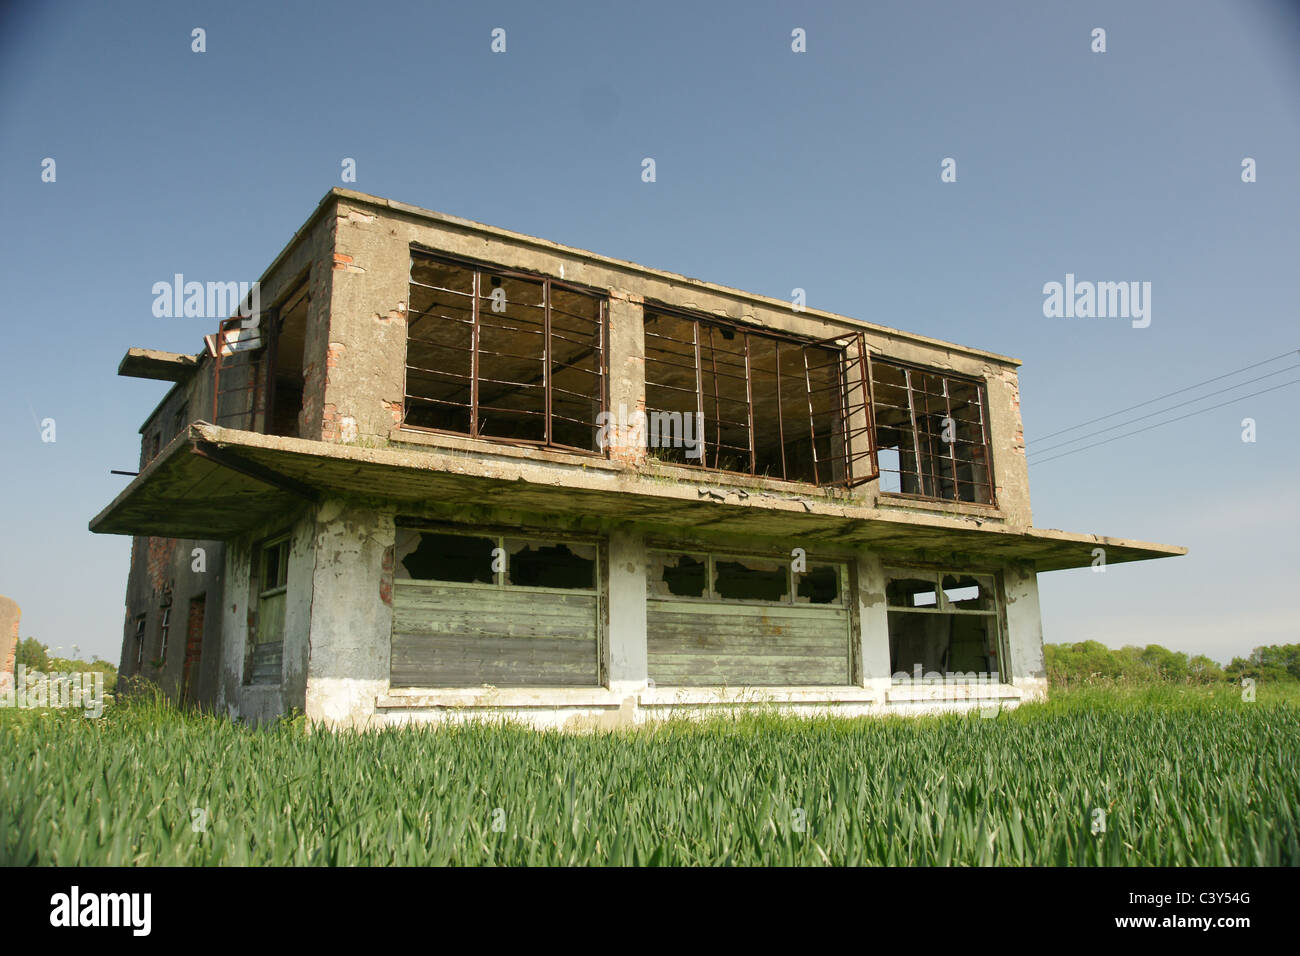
(1185, 776)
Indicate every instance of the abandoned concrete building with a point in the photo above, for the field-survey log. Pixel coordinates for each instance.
(451, 471)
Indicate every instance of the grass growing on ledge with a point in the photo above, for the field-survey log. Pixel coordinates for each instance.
(1185, 776)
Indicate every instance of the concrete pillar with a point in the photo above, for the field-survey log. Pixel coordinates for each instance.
(626, 376)
(1025, 667)
(10, 614)
(627, 612)
(351, 614)
(873, 623)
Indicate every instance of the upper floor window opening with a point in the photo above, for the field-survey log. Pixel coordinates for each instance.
(502, 355)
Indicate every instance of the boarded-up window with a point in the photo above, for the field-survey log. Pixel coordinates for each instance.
(509, 611)
(496, 354)
(738, 620)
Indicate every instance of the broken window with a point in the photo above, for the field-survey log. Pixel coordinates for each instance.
(550, 564)
(931, 433)
(752, 579)
(679, 575)
(720, 577)
(942, 625)
(451, 557)
(820, 584)
(267, 637)
(495, 560)
(140, 622)
(163, 628)
(731, 398)
(501, 355)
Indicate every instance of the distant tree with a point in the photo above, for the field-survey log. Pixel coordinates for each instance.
(1092, 661)
(32, 654)
(1272, 663)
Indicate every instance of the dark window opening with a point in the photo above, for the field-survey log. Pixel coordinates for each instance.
(820, 585)
(286, 364)
(493, 560)
(492, 354)
(757, 403)
(451, 557)
(536, 565)
(751, 580)
(932, 434)
(942, 625)
(680, 575)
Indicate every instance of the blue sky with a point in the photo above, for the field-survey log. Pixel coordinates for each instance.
(775, 170)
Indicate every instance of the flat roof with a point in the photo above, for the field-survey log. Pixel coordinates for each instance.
(626, 265)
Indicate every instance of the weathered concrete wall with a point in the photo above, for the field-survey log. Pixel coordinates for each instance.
(368, 345)
(10, 614)
(352, 614)
(873, 623)
(367, 328)
(626, 601)
(1025, 630)
(262, 702)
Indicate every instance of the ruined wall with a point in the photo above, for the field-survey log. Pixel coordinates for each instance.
(366, 349)
(10, 614)
(168, 573)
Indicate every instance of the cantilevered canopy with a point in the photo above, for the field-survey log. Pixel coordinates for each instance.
(156, 364)
(216, 483)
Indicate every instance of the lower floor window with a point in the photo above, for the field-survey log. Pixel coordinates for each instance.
(942, 625)
(266, 650)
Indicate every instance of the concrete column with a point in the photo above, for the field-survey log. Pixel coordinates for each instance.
(1025, 667)
(351, 614)
(9, 617)
(873, 623)
(626, 376)
(627, 612)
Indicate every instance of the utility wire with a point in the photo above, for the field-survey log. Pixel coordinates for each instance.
(1170, 394)
(1190, 401)
(1169, 422)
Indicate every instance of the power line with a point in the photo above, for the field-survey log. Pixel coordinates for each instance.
(1190, 401)
(1169, 422)
(1170, 394)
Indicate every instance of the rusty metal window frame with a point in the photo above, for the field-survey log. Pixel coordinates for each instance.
(848, 459)
(928, 477)
(480, 270)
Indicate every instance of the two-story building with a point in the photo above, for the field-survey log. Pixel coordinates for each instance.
(451, 471)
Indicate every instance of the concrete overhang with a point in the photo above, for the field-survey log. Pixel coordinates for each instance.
(158, 365)
(217, 483)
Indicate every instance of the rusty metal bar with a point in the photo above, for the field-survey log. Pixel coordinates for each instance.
(780, 408)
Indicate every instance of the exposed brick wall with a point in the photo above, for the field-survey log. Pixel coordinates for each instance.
(10, 613)
(161, 553)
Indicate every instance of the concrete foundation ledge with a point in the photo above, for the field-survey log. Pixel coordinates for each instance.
(679, 696)
(503, 697)
(940, 692)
